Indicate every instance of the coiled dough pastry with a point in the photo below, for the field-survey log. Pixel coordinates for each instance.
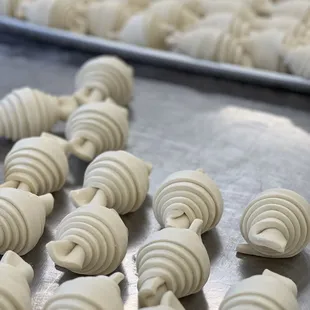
(168, 302)
(262, 292)
(91, 240)
(37, 164)
(28, 112)
(97, 127)
(108, 17)
(88, 293)
(185, 196)
(146, 29)
(276, 224)
(120, 179)
(22, 219)
(15, 277)
(108, 75)
(175, 13)
(63, 14)
(173, 259)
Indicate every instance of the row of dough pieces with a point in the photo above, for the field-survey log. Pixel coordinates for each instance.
(229, 31)
(93, 239)
(267, 291)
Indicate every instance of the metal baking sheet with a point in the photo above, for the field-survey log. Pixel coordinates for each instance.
(155, 57)
(244, 142)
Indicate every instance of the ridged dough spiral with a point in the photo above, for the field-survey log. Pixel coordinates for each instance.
(97, 127)
(63, 14)
(91, 240)
(173, 259)
(185, 196)
(262, 292)
(276, 224)
(109, 75)
(15, 277)
(168, 302)
(27, 112)
(120, 177)
(36, 164)
(22, 219)
(174, 13)
(108, 17)
(88, 293)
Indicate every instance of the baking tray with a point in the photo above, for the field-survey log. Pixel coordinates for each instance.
(245, 145)
(155, 57)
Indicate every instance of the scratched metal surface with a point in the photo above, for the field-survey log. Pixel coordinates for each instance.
(248, 139)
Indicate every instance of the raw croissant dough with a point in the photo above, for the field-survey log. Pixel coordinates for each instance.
(119, 179)
(276, 224)
(91, 240)
(37, 164)
(168, 302)
(145, 29)
(28, 112)
(22, 219)
(15, 277)
(262, 292)
(103, 77)
(108, 17)
(63, 14)
(88, 293)
(175, 13)
(185, 196)
(97, 127)
(173, 259)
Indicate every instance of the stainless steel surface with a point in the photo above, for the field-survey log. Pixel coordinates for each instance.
(154, 57)
(247, 138)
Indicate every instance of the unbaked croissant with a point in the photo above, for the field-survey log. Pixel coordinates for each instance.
(15, 277)
(120, 179)
(185, 196)
(37, 164)
(22, 219)
(145, 29)
(168, 302)
(108, 17)
(173, 259)
(262, 292)
(88, 293)
(175, 13)
(63, 14)
(91, 240)
(276, 224)
(97, 127)
(103, 77)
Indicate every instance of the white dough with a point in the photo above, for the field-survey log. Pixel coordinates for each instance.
(185, 196)
(37, 164)
(15, 277)
(27, 112)
(22, 219)
(97, 127)
(88, 293)
(168, 302)
(108, 75)
(8, 7)
(146, 29)
(295, 8)
(91, 240)
(120, 179)
(172, 259)
(276, 224)
(108, 17)
(298, 61)
(63, 14)
(175, 13)
(262, 292)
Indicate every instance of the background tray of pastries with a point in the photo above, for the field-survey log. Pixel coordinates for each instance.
(258, 41)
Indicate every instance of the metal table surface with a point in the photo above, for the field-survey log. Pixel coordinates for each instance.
(247, 139)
